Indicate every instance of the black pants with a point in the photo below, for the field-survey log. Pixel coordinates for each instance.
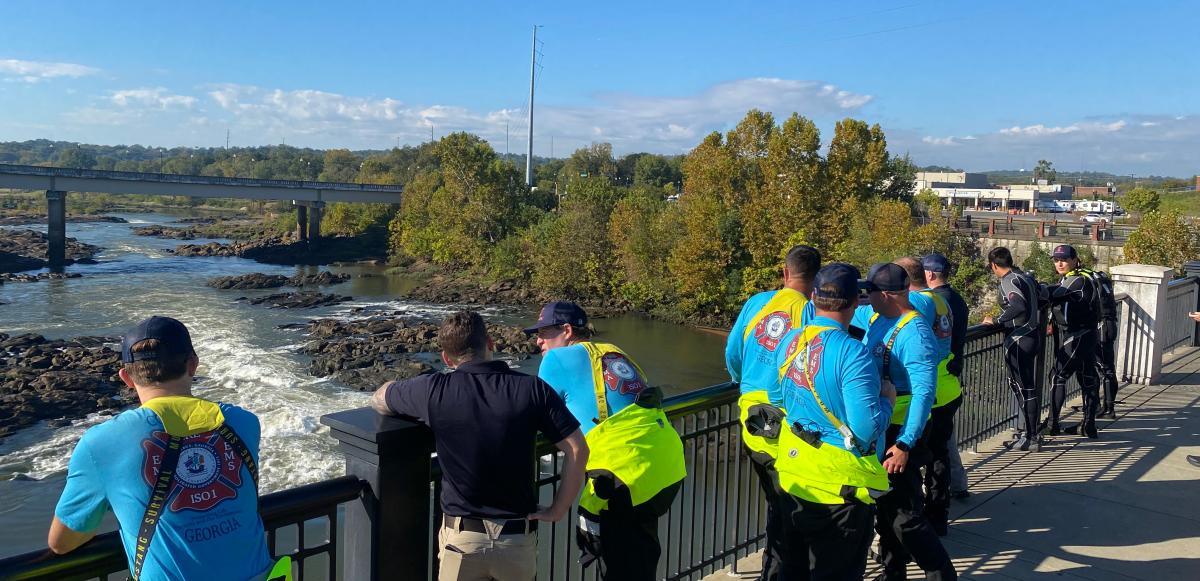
(937, 474)
(824, 542)
(1076, 356)
(1106, 361)
(627, 545)
(904, 533)
(1020, 356)
(768, 479)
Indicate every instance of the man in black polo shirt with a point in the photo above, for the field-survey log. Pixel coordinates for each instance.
(485, 419)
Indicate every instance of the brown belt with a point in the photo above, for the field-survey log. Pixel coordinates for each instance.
(474, 525)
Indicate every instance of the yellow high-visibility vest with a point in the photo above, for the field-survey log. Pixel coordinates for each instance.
(822, 473)
(948, 386)
(778, 316)
(637, 445)
(903, 401)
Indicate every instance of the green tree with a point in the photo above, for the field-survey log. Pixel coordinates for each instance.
(927, 203)
(340, 165)
(1141, 200)
(572, 255)
(593, 161)
(1045, 171)
(642, 230)
(76, 157)
(789, 198)
(1164, 238)
(654, 171)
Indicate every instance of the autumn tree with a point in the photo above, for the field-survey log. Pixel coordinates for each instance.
(1141, 200)
(1164, 238)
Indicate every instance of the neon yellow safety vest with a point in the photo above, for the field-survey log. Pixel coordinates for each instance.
(781, 314)
(900, 412)
(948, 386)
(822, 473)
(637, 445)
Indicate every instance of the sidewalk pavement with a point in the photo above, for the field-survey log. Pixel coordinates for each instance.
(1126, 506)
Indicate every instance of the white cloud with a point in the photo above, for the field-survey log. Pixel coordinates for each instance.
(155, 98)
(630, 122)
(36, 71)
(1143, 144)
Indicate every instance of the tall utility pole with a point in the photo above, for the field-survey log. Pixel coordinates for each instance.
(506, 139)
(226, 139)
(532, 74)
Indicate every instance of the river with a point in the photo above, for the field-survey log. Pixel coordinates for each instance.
(245, 359)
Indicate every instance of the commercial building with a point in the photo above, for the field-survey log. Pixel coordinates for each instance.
(973, 191)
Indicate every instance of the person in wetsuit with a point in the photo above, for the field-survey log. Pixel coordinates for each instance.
(1076, 306)
(1019, 315)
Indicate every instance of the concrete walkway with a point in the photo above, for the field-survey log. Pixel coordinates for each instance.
(1126, 506)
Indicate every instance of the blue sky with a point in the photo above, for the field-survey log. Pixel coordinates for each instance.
(1097, 85)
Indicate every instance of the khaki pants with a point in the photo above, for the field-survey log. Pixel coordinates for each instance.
(490, 556)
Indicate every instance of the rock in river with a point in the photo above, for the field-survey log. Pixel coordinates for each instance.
(300, 300)
(365, 353)
(57, 380)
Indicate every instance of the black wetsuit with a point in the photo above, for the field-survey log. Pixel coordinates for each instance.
(1106, 353)
(1076, 305)
(1019, 300)
(941, 420)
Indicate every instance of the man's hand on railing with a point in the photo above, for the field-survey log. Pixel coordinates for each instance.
(575, 456)
(988, 320)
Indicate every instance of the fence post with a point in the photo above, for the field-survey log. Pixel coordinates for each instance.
(1041, 230)
(387, 532)
(992, 227)
(1141, 338)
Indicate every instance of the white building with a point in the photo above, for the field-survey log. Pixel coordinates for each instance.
(973, 191)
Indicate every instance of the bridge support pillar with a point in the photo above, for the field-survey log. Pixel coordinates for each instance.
(301, 221)
(56, 233)
(387, 530)
(314, 225)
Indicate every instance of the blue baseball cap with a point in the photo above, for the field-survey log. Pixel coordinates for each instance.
(837, 281)
(935, 262)
(886, 276)
(559, 313)
(173, 339)
(1064, 251)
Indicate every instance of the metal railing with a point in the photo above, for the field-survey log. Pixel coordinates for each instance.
(1183, 297)
(301, 522)
(190, 179)
(716, 519)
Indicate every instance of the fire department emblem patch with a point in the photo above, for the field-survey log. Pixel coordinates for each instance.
(772, 328)
(620, 375)
(796, 373)
(209, 470)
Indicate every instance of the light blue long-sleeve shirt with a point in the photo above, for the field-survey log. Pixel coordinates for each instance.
(912, 368)
(751, 359)
(926, 305)
(845, 378)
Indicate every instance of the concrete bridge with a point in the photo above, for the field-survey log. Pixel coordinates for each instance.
(308, 197)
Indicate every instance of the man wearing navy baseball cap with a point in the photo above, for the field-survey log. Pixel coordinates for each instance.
(210, 530)
(837, 413)
(904, 350)
(636, 465)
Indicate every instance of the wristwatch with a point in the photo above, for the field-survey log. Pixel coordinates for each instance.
(902, 446)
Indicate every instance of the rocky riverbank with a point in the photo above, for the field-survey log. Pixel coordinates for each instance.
(27, 219)
(59, 380)
(290, 251)
(457, 288)
(365, 353)
(10, 277)
(232, 228)
(27, 250)
(258, 280)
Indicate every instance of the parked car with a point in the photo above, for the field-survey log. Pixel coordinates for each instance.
(1094, 218)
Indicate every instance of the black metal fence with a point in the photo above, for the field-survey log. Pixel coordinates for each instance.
(301, 522)
(717, 518)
